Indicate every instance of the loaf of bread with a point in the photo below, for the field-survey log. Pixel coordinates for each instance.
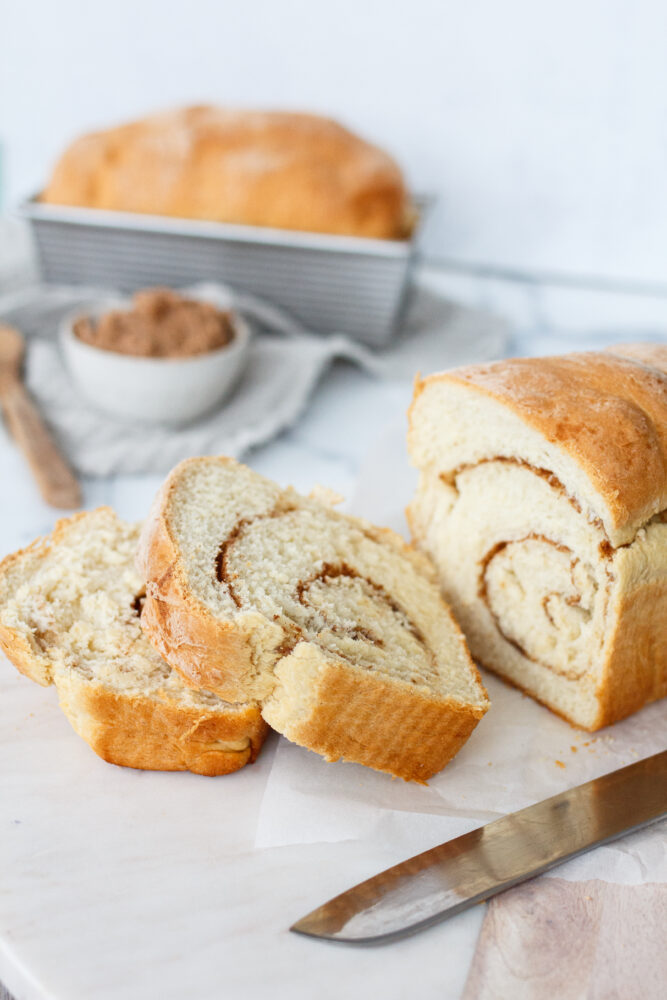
(289, 171)
(69, 615)
(336, 627)
(543, 502)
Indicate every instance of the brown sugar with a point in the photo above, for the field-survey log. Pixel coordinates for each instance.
(160, 324)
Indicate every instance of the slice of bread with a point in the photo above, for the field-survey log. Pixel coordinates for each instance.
(336, 627)
(70, 608)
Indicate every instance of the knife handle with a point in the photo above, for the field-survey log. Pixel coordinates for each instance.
(55, 480)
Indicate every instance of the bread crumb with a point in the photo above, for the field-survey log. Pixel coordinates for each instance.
(325, 495)
(559, 763)
(574, 749)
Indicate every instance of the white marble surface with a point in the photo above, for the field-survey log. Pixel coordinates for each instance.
(123, 885)
(119, 884)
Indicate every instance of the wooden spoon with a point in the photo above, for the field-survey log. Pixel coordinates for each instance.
(55, 479)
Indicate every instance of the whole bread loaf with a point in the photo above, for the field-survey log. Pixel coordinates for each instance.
(335, 627)
(70, 606)
(289, 171)
(542, 500)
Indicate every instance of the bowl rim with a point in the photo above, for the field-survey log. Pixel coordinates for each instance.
(242, 334)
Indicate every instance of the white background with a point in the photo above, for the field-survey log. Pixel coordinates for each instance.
(541, 125)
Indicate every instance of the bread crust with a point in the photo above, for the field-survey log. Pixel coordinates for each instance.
(607, 411)
(368, 719)
(135, 729)
(289, 171)
(635, 670)
(220, 656)
(160, 735)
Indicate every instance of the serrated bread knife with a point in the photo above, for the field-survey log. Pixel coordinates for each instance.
(469, 869)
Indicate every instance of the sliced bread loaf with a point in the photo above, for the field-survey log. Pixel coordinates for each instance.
(70, 608)
(542, 500)
(336, 627)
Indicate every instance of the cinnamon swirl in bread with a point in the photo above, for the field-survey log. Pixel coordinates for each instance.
(69, 615)
(336, 627)
(543, 502)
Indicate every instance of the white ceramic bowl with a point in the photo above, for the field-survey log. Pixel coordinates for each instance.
(173, 391)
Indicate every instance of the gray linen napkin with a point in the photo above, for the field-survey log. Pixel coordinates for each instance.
(286, 363)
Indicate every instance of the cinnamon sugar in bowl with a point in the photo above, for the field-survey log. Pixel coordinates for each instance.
(161, 357)
(159, 324)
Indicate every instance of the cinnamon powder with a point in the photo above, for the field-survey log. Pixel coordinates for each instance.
(161, 324)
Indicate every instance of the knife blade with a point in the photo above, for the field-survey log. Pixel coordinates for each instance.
(469, 869)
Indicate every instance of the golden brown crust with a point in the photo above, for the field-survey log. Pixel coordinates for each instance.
(607, 412)
(289, 171)
(141, 732)
(205, 652)
(154, 735)
(635, 672)
(384, 724)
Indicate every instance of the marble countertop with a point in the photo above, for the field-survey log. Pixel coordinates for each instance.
(65, 932)
(208, 915)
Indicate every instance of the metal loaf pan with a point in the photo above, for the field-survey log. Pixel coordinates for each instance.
(331, 284)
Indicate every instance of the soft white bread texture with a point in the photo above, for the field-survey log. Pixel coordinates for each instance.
(542, 500)
(69, 615)
(335, 626)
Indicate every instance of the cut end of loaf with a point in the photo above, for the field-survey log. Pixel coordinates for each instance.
(541, 501)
